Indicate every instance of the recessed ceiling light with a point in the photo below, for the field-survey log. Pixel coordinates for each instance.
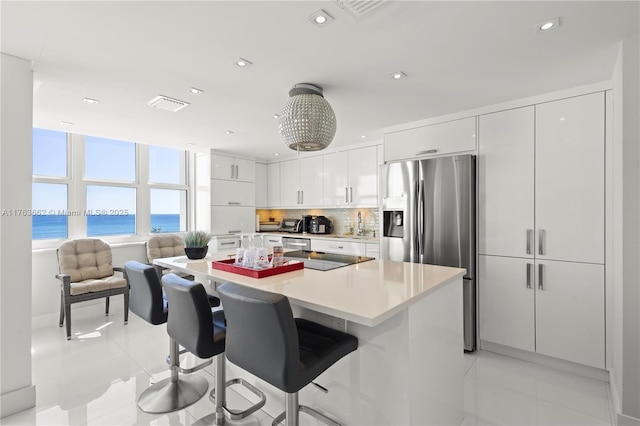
(276, 115)
(195, 91)
(321, 18)
(228, 132)
(276, 153)
(66, 123)
(242, 63)
(398, 75)
(363, 136)
(547, 25)
(191, 144)
(90, 101)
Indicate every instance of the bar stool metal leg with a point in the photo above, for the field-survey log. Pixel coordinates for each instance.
(291, 413)
(220, 389)
(175, 392)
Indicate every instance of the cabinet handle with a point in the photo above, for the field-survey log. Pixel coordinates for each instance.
(541, 239)
(234, 232)
(540, 276)
(337, 247)
(529, 269)
(237, 172)
(233, 203)
(529, 238)
(346, 194)
(302, 197)
(228, 243)
(351, 194)
(428, 151)
(232, 172)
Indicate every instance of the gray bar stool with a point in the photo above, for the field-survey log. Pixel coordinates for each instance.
(193, 325)
(265, 339)
(148, 302)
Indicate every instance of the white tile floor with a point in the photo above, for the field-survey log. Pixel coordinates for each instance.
(95, 378)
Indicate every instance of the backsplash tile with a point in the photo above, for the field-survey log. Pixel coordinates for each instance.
(342, 218)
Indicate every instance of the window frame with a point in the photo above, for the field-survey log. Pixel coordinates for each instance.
(77, 183)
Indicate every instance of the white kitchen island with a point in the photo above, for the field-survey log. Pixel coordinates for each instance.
(408, 368)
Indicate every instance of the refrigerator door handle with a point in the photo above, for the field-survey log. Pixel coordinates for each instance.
(529, 270)
(420, 217)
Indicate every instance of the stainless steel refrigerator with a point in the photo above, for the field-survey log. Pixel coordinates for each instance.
(429, 216)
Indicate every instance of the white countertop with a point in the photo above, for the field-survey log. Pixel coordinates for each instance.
(337, 237)
(366, 293)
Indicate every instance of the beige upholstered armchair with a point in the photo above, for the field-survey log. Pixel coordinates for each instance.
(87, 273)
(167, 245)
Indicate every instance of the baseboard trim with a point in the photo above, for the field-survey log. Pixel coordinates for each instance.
(616, 403)
(571, 367)
(623, 420)
(18, 400)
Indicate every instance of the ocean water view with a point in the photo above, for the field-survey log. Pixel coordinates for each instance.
(55, 226)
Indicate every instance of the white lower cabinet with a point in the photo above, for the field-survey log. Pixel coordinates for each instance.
(344, 247)
(553, 308)
(506, 304)
(570, 311)
(373, 250)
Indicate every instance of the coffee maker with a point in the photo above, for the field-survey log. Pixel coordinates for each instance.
(306, 223)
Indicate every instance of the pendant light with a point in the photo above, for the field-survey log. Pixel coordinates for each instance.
(307, 121)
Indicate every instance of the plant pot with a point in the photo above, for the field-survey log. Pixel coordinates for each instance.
(196, 252)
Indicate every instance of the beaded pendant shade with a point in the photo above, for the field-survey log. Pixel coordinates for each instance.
(307, 121)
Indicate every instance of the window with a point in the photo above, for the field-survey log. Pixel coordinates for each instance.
(49, 208)
(49, 153)
(114, 189)
(49, 199)
(111, 210)
(166, 165)
(107, 159)
(168, 210)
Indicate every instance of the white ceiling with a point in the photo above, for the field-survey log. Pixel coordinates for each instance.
(457, 56)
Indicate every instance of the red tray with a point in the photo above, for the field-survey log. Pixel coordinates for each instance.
(228, 266)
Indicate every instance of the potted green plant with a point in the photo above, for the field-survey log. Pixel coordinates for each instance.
(195, 244)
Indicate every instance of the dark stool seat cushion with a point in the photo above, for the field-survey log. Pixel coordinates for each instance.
(264, 339)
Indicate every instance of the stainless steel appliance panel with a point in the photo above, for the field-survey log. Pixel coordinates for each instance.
(428, 216)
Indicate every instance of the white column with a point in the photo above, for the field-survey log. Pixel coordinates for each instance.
(16, 115)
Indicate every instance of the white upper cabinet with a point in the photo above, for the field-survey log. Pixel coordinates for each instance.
(351, 178)
(436, 139)
(232, 168)
(230, 193)
(301, 182)
(311, 181)
(262, 186)
(506, 183)
(569, 186)
(273, 181)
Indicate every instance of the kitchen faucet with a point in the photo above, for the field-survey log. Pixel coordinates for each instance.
(360, 230)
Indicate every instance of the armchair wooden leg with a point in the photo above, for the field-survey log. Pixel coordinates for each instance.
(126, 308)
(106, 311)
(61, 310)
(67, 318)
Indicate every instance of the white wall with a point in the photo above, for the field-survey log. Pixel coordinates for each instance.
(631, 226)
(16, 97)
(45, 303)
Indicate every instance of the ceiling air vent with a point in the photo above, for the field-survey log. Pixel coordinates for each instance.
(169, 104)
(358, 9)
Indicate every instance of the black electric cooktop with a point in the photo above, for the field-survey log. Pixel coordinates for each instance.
(324, 261)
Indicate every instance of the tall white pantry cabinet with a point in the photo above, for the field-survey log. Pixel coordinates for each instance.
(541, 174)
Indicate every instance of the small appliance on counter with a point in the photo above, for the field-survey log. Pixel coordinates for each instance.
(291, 225)
(320, 225)
(269, 225)
(306, 222)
